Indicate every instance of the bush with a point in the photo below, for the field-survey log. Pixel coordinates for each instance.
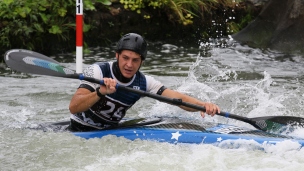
(39, 24)
(49, 25)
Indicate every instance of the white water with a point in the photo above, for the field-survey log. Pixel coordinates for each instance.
(239, 79)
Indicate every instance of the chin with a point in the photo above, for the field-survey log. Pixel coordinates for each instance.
(128, 75)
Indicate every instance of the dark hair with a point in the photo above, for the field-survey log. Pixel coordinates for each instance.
(133, 42)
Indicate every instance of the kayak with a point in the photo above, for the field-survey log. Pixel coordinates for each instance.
(175, 130)
(162, 130)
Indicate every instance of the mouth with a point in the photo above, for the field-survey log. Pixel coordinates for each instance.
(128, 71)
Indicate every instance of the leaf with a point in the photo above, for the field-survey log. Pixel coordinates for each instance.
(23, 11)
(7, 2)
(41, 8)
(34, 17)
(86, 27)
(55, 30)
(22, 14)
(62, 12)
(45, 18)
(88, 5)
(38, 27)
(28, 30)
(104, 2)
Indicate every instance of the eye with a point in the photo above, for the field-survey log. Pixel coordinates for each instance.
(136, 60)
(125, 57)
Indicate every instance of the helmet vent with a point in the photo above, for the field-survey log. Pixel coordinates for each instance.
(136, 39)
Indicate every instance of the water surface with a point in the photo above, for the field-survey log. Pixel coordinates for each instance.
(241, 80)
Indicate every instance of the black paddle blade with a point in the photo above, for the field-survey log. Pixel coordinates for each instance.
(275, 123)
(35, 63)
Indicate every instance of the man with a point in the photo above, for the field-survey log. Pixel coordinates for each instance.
(95, 106)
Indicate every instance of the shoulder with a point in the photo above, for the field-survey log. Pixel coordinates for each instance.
(97, 69)
(103, 64)
(150, 78)
(94, 71)
(105, 67)
(90, 70)
(153, 85)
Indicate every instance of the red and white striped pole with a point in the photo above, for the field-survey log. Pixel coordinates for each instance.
(79, 36)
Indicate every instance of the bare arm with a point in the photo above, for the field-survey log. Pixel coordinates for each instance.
(83, 98)
(211, 108)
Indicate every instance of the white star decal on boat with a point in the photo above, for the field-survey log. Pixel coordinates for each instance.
(176, 135)
(219, 139)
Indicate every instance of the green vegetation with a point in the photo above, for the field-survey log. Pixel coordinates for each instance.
(183, 11)
(47, 25)
(29, 23)
(26, 22)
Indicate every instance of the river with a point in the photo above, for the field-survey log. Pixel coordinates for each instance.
(241, 80)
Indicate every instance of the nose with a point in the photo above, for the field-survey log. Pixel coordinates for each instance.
(129, 63)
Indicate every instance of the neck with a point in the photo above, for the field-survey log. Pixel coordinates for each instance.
(118, 74)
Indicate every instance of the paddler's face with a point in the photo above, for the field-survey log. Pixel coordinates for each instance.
(129, 62)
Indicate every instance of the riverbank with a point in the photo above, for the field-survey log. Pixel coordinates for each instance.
(219, 22)
(51, 30)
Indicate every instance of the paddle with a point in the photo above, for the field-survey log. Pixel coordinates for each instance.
(32, 62)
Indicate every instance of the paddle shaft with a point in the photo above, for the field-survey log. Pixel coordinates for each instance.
(32, 62)
(177, 102)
